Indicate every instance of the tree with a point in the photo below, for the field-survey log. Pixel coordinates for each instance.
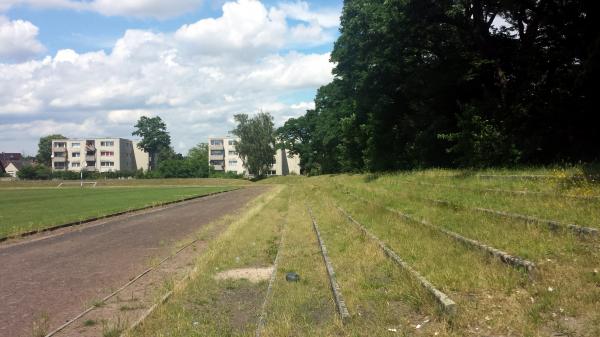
(198, 160)
(421, 83)
(256, 145)
(155, 137)
(44, 155)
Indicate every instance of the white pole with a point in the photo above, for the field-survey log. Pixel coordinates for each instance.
(81, 177)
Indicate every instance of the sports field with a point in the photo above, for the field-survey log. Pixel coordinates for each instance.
(495, 253)
(24, 209)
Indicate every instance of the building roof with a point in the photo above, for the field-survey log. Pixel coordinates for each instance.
(17, 163)
(6, 156)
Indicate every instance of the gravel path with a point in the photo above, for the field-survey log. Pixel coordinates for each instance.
(58, 275)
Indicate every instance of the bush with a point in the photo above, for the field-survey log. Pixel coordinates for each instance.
(226, 175)
(37, 172)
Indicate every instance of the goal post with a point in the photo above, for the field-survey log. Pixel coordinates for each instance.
(77, 183)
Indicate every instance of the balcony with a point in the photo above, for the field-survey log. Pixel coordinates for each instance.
(218, 167)
(59, 149)
(217, 157)
(90, 147)
(90, 168)
(90, 158)
(216, 147)
(59, 159)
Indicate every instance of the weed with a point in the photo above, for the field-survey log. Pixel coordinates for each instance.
(89, 322)
(40, 325)
(115, 328)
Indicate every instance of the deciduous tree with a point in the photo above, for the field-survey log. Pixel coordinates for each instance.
(155, 138)
(256, 145)
(44, 154)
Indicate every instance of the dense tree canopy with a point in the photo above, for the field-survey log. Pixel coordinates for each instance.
(155, 139)
(455, 83)
(256, 145)
(44, 154)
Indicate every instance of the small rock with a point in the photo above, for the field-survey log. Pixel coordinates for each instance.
(292, 277)
(392, 329)
(550, 289)
(595, 271)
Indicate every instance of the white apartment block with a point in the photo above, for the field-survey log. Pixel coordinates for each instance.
(223, 157)
(97, 154)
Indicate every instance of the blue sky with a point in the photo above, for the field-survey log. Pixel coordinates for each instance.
(92, 68)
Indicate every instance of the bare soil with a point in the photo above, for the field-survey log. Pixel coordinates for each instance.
(53, 277)
(253, 275)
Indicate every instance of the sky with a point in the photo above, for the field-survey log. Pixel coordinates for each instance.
(91, 68)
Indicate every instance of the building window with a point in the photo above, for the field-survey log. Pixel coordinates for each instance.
(107, 153)
(217, 152)
(271, 172)
(107, 163)
(107, 143)
(216, 162)
(59, 154)
(75, 164)
(232, 153)
(75, 144)
(216, 142)
(59, 165)
(60, 144)
(75, 154)
(233, 163)
(231, 142)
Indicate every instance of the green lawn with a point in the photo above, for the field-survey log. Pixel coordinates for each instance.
(561, 297)
(27, 209)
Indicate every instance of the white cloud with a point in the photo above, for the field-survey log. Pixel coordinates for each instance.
(303, 106)
(196, 89)
(300, 10)
(127, 116)
(244, 24)
(18, 40)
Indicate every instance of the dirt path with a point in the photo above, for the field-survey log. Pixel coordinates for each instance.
(60, 275)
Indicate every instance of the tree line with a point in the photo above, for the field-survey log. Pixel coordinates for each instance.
(455, 83)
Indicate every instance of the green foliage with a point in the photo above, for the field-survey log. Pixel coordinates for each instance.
(226, 175)
(42, 172)
(155, 138)
(256, 146)
(35, 172)
(44, 155)
(423, 83)
(198, 158)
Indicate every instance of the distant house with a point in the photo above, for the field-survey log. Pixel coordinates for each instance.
(11, 163)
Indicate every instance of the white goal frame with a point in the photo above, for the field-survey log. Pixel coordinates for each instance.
(78, 183)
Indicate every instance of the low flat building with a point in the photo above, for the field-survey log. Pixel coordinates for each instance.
(98, 155)
(223, 157)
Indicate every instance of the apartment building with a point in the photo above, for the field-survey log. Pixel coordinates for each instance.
(97, 154)
(222, 156)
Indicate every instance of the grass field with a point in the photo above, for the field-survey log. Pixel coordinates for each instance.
(34, 208)
(128, 182)
(560, 297)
